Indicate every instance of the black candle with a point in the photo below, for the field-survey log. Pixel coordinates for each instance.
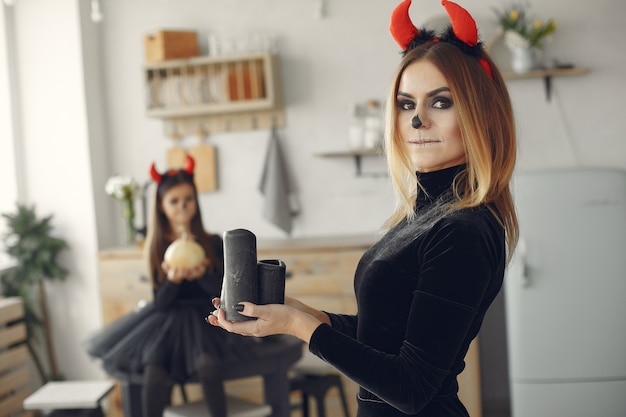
(271, 276)
(240, 272)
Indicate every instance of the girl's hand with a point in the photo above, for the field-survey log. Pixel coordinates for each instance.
(174, 275)
(177, 275)
(271, 319)
(198, 271)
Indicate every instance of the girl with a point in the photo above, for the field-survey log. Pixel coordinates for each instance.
(166, 341)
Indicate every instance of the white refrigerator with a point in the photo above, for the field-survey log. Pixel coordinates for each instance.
(565, 295)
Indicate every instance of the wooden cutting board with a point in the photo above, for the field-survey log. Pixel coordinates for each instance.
(205, 157)
(176, 155)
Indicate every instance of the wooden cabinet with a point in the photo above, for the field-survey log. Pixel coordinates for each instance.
(123, 285)
(123, 281)
(320, 273)
(213, 94)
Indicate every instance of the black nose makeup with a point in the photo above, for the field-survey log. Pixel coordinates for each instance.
(416, 122)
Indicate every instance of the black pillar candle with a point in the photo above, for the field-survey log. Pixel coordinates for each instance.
(271, 276)
(240, 272)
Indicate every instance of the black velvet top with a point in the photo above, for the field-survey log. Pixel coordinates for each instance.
(422, 292)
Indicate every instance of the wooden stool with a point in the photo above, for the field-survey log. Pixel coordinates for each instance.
(70, 398)
(235, 407)
(314, 377)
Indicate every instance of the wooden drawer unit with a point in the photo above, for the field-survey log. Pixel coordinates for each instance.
(320, 272)
(123, 281)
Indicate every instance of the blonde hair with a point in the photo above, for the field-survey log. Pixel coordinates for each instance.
(485, 117)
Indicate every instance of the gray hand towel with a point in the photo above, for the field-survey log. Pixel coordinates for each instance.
(276, 186)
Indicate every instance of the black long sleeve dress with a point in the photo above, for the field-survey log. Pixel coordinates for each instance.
(422, 292)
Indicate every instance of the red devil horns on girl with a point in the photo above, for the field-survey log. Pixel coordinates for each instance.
(157, 177)
(463, 28)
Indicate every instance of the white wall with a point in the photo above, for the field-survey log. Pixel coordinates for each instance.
(319, 81)
(349, 56)
(8, 171)
(55, 163)
(326, 64)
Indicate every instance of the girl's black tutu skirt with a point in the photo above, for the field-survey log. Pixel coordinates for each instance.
(174, 339)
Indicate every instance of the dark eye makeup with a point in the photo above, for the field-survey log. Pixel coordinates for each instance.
(442, 103)
(404, 104)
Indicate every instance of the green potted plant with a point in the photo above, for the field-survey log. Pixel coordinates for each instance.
(29, 241)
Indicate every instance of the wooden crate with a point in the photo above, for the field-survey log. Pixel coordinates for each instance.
(14, 357)
(165, 44)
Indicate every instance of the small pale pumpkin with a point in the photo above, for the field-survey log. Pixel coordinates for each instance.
(184, 253)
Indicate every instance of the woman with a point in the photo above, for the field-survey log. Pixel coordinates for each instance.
(422, 290)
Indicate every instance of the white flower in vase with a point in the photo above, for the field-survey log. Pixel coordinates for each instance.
(125, 189)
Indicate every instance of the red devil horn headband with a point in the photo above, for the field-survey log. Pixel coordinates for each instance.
(402, 29)
(463, 28)
(154, 174)
(463, 24)
(157, 177)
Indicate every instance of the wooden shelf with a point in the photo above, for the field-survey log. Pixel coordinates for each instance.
(357, 155)
(547, 75)
(215, 94)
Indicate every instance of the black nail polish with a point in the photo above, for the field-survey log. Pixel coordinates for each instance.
(238, 307)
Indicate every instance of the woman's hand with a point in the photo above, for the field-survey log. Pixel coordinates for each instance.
(271, 319)
(299, 305)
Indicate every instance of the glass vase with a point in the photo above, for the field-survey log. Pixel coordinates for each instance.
(523, 60)
(128, 212)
